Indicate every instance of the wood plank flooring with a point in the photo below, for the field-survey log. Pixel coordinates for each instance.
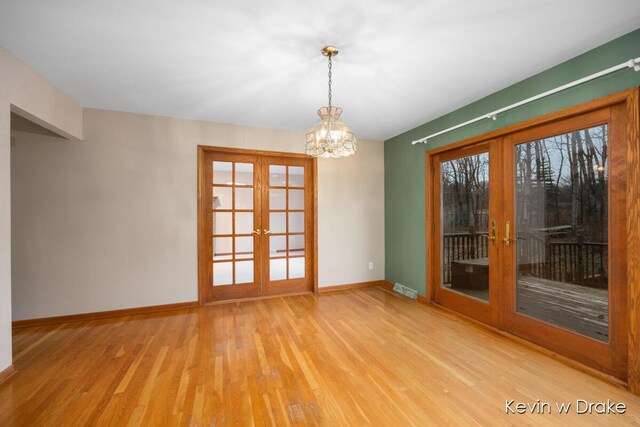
(360, 357)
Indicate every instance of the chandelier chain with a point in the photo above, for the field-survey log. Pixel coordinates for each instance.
(330, 65)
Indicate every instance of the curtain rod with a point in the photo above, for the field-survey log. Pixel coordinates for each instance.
(632, 63)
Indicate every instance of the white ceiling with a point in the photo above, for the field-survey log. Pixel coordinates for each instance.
(258, 62)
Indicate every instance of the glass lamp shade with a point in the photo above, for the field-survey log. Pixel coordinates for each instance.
(330, 138)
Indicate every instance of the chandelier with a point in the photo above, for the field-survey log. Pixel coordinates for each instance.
(330, 138)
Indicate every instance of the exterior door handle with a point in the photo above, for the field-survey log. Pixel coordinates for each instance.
(256, 231)
(266, 232)
(507, 238)
(493, 232)
(492, 236)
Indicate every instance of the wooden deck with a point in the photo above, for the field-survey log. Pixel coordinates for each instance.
(580, 309)
(359, 357)
(577, 308)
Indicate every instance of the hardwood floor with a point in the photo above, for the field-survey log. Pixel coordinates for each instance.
(358, 357)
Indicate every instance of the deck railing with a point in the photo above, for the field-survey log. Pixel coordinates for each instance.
(461, 246)
(578, 262)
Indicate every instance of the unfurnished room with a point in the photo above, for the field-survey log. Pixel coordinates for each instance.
(338, 213)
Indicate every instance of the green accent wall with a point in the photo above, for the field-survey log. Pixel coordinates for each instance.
(404, 180)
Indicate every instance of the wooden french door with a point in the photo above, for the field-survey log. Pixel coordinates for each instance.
(287, 241)
(256, 224)
(529, 234)
(464, 231)
(565, 266)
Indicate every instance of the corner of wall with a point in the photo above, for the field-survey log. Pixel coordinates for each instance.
(23, 91)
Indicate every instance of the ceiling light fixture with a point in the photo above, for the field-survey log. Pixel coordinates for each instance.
(330, 138)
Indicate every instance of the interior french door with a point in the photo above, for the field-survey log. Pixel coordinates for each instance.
(529, 235)
(256, 224)
(287, 225)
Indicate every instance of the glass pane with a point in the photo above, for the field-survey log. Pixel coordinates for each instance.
(278, 269)
(244, 222)
(561, 231)
(277, 199)
(221, 198)
(277, 222)
(296, 176)
(244, 247)
(296, 199)
(222, 173)
(222, 273)
(244, 174)
(221, 223)
(277, 176)
(296, 268)
(296, 222)
(296, 245)
(222, 248)
(244, 198)
(244, 272)
(465, 217)
(277, 246)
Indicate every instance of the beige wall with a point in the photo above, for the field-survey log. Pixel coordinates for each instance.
(111, 222)
(26, 93)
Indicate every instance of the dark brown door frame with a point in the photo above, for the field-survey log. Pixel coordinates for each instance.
(203, 278)
(629, 99)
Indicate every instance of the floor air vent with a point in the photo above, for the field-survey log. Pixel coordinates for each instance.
(408, 292)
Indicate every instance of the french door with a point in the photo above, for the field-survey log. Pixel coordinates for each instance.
(464, 231)
(287, 241)
(256, 224)
(565, 265)
(529, 235)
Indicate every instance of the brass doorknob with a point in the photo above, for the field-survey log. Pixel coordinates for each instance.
(266, 231)
(256, 231)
